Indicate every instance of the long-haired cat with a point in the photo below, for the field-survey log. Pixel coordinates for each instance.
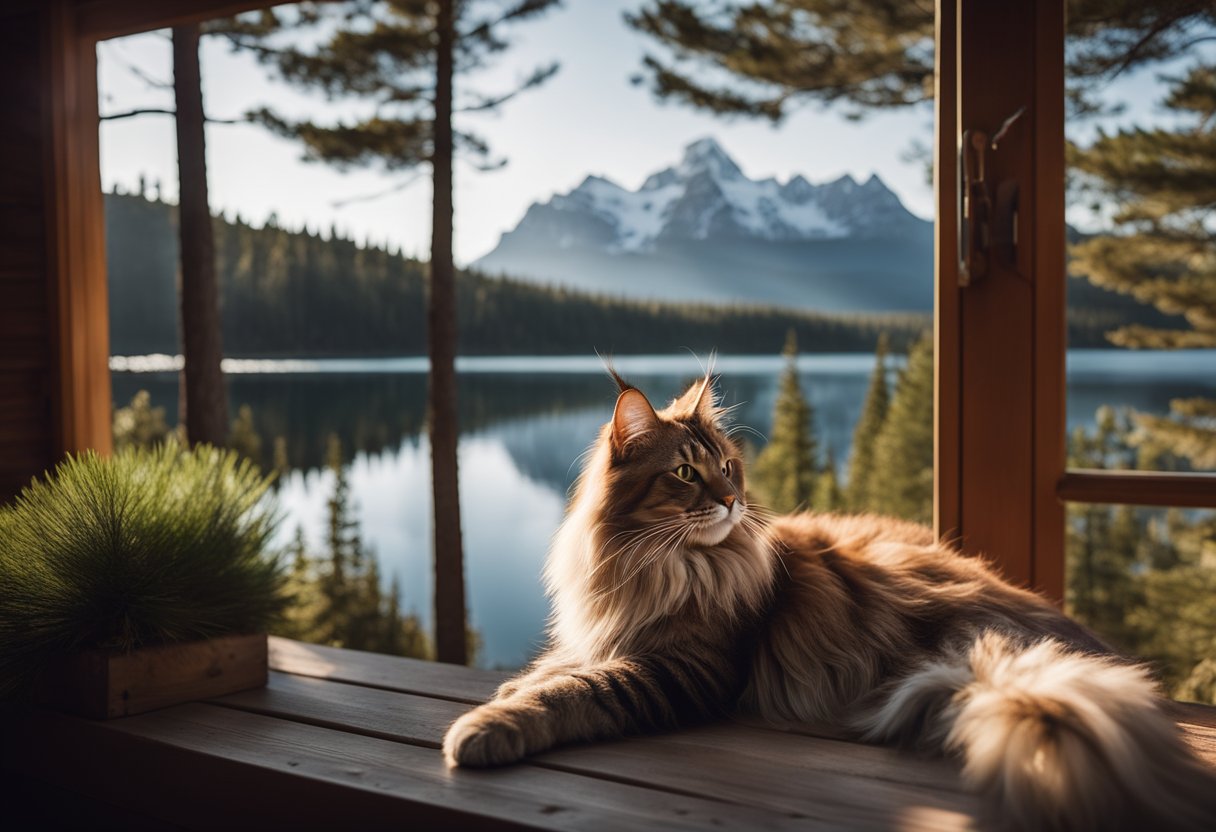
(675, 602)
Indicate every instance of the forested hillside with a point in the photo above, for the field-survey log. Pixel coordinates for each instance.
(300, 293)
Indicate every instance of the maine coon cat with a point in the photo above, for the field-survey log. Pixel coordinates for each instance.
(675, 602)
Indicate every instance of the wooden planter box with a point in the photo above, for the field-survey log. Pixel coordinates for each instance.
(103, 684)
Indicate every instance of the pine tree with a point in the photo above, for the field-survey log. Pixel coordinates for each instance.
(784, 472)
(243, 436)
(339, 582)
(1162, 183)
(828, 496)
(403, 56)
(903, 449)
(139, 424)
(763, 59)
(204, 395)
(337, 598)
(865, 433)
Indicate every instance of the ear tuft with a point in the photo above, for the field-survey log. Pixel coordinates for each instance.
(632, 418)
(699, 400)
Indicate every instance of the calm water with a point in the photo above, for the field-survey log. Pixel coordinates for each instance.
(524, 423)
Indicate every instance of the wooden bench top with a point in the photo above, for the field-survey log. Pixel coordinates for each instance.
(345, 739)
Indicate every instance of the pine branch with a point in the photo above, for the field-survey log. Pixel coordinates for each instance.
(160, 111)
(539, 76)
(400, 186)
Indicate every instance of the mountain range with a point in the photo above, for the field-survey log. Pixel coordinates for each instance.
(701, 230)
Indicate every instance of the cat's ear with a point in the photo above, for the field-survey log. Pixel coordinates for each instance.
(699, 400)
(632, 418)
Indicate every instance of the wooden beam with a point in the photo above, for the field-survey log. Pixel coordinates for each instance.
(1050, 301)
(76, 239)
(947, 403)
(101, 19)
(1001, 348)
(1138, 488)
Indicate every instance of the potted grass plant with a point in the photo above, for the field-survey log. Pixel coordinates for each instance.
(138, 581)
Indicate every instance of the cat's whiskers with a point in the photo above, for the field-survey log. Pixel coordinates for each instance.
(667, 543)
(604, 558)
(741, 428)
(652, 555)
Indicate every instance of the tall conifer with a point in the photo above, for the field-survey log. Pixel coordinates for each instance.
(403, 57)
(203, 394)
(784, 472)
(865, 433)
(903, 450)
(828, 496)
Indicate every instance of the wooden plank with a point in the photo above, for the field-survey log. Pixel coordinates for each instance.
(20, 358)
(104, 684)
(76, 237)
(947, 369)
(19, 390)
(445, 681)
(423, 721)
(825, 780)
(1050, 333)
(24, 453)
(1138, 488)
(26, 320)
(209, 767)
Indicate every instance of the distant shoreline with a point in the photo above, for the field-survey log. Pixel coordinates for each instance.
(1186, 363)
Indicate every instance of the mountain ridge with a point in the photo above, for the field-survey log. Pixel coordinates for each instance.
(694, 231)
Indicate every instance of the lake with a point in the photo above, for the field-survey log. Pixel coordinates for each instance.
(524, 422)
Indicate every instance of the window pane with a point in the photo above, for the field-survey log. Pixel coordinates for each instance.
(1142, 296)
(628, 221)
(1145, 580)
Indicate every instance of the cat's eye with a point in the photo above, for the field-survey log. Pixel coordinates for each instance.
(728, 469)
(686, 472)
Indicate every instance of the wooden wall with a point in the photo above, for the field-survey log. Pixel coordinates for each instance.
(54, 337)
(26, 323)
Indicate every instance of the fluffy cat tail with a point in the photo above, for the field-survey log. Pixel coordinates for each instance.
(1056, 740)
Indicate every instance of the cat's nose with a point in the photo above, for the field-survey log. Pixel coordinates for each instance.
(729, 500)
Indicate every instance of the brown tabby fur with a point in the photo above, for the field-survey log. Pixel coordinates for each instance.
(676, 602)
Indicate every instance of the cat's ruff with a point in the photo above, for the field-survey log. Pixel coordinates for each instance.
(675, 601)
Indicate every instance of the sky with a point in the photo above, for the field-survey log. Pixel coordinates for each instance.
(589, 119)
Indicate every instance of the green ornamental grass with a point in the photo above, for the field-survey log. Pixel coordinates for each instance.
(143, 548)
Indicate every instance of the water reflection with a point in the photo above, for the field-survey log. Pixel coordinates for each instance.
(524, 424)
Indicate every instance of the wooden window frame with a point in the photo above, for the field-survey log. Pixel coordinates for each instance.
(999, 422)
(1001, 480)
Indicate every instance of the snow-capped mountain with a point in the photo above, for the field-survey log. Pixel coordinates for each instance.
(702, 230)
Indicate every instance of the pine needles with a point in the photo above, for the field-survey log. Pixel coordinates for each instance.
(146, 547)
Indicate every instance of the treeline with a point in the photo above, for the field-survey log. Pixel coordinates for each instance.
(890, 465)
(302, 293)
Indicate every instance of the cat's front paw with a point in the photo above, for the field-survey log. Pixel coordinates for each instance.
(486, 736)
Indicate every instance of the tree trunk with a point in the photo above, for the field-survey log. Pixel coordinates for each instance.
(204, 399)
(450, 620)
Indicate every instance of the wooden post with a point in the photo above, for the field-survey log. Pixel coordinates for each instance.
(76, 240)
(1000, 340)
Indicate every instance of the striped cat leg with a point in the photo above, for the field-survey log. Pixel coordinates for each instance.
(620, 697)
(542, 669)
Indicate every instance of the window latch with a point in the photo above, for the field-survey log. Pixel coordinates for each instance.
(983, 225)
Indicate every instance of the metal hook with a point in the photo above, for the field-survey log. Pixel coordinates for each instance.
(983, 226)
